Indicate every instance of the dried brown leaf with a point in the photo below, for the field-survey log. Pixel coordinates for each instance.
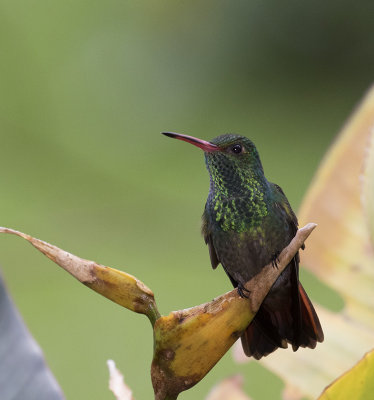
(120, 287)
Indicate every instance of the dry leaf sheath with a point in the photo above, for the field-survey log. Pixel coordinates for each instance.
(124, 289)
(187, 343)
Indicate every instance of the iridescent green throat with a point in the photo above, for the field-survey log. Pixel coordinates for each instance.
(239, 191)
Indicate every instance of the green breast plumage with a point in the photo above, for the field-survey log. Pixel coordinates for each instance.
(238, 198)
(244, 232)
(238, 214)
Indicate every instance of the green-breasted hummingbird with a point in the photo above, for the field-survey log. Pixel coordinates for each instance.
(246, 223)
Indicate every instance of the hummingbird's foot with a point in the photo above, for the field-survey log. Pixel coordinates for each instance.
(241, 290)
(275, 259)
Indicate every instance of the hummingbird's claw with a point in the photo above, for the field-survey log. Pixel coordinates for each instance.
(275, 259)
(242, 289)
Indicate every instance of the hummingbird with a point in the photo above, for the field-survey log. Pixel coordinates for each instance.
(247, 222)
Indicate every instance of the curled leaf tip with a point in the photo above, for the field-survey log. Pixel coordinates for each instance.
(120, 287)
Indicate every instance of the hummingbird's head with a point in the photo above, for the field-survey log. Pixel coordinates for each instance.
(232, 161)
(234, 151)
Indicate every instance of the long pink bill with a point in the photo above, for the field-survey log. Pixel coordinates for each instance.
(203, 144)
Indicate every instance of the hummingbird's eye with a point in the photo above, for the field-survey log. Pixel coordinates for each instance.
(237, 148)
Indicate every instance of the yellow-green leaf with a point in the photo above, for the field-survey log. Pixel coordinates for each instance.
(341, 253)
(357, 383)
(368, 187)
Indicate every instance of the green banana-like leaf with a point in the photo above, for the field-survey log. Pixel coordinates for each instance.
(24, 374)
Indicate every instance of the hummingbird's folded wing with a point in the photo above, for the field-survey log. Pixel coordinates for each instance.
(208, 240)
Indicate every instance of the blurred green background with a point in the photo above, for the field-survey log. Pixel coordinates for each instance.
(86, 87)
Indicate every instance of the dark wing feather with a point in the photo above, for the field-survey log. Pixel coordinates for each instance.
(294, 223)
(283, 203)
(296, 325)
(212, 251)
(208, 240)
